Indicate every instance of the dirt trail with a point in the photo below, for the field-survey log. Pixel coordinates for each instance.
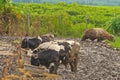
(97, 61)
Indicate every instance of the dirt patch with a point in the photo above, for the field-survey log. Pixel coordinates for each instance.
(97, 61)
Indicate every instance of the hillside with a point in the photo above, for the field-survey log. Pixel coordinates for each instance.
(90, 2)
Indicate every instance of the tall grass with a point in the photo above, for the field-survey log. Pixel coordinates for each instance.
(116, 44)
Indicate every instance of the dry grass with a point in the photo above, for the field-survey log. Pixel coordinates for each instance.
(25, 73)
(6, 68)
(12, 77)
(51, 76)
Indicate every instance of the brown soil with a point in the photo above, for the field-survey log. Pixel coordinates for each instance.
(97, 61)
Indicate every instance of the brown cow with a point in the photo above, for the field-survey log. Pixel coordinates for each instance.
(97, 33)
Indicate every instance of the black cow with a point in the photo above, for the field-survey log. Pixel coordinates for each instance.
(48, 58)
(31, 43)
(65, 52)
(34, 42)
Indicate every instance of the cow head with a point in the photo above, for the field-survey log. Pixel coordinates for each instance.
(35, 60)
(24, 43)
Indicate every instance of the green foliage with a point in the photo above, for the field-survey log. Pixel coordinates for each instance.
(114, 25)
(72, 13)
(116, 44)
(8, 16)
(61, 19)
(90, 2)
(66, 20)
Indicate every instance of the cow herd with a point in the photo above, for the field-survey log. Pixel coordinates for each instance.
(52, 53)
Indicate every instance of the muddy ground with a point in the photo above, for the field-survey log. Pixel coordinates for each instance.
(97, 61)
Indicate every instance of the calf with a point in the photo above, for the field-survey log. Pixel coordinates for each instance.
(51, 54)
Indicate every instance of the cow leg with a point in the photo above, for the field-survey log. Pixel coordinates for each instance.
(100, 39)
(53, 68)
(83, 38)
(73, 65)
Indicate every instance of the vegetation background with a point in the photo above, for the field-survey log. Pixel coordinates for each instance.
(61, 18)
(90, 2)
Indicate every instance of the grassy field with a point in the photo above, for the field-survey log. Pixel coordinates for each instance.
(61, 19)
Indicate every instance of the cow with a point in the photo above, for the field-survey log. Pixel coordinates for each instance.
(32, 43)
(52, 54)
(97, 33)
(47, 37)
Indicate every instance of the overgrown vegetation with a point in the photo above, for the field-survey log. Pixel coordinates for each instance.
(62, 19)
(90, 2)
(8, 16)
(114, 26)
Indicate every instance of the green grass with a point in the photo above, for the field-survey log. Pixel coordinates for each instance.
(116, 44)
(63, 20)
